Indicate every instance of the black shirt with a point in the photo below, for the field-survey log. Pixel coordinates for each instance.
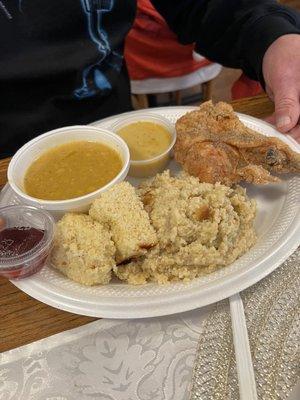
(61, 61)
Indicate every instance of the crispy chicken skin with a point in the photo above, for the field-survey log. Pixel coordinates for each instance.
(214, 145)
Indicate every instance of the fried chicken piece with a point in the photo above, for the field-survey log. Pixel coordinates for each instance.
(214, 145)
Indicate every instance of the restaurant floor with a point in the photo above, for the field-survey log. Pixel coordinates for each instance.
(221, 86)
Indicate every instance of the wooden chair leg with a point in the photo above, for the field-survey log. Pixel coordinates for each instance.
(134, 102)
(178, 97)
(140, 101)
(207, 90)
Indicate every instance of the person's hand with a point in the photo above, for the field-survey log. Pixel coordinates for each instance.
(281, 71)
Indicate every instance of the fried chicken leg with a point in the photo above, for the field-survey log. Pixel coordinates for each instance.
(214, 145)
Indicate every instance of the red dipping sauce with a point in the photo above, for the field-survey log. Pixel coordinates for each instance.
(17, 241)
(24, 249)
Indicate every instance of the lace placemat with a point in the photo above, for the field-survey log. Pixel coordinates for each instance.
(272, 309)
(181, 357)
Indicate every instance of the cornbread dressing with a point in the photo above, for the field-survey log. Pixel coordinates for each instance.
(72, 170)
(83, 250)
(121, 209)
(200, 227)
(170, 229)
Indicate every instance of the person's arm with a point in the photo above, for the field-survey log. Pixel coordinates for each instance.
(235, 33)
(261, 37)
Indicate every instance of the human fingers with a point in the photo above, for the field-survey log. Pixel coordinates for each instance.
(287, 106)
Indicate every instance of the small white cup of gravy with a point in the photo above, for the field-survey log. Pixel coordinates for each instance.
(150, 139)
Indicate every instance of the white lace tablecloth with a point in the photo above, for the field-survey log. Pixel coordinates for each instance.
(187, 356)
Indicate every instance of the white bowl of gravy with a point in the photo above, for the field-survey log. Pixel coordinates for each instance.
(65, 169)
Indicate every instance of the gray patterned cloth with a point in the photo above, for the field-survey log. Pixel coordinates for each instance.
(187, 356)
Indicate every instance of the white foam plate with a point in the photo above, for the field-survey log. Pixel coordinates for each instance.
(277, 225)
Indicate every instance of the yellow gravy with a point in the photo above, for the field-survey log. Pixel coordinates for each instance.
(72, 170)
(145, 139)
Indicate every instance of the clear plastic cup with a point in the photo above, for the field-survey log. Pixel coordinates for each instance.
(29, 262)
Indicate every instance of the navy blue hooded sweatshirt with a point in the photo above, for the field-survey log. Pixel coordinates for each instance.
(61, 61)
